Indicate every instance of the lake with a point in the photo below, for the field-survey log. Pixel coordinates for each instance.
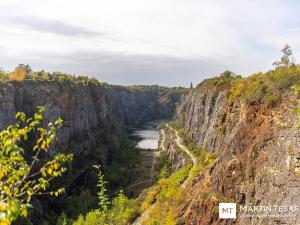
(147, 135)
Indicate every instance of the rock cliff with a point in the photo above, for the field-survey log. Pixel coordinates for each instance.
(91, 114)
(258, 155)
(95, 117)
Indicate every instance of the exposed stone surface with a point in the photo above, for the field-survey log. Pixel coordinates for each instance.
(177, 157)
(95, 117)
(258, 149)
(90, 113)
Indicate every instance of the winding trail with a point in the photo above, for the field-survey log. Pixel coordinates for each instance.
(183, 147)
(178, 140)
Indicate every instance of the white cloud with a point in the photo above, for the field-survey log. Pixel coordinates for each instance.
(244, 36)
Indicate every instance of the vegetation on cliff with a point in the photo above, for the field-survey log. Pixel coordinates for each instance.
(165, 197)
(268, 87)
(25, 73)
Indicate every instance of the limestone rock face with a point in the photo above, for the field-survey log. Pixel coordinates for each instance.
(91, 114)
(258, 155)
(95, 118)
(176, 156)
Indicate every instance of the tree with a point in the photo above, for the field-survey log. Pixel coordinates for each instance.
(26, 67)
(18, 74)
(228, 74)
(287, 59)
(3, 75)
(22, 178)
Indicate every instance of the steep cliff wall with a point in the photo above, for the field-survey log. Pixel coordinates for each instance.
(95, 119)
(90, 113)
(258, 154)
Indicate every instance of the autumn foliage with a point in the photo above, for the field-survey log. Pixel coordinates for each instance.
(18, 74)
(21, 178)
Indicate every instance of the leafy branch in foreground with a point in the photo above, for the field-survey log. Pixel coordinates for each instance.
(20, 178)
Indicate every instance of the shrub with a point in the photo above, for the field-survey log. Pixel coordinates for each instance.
(260, 86)
(20, 178)
(81, 204)
(272, 100)
(165, 198)
(62, 219)
(120, 210)
(209, 158)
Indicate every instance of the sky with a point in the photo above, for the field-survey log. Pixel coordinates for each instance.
(165, 42)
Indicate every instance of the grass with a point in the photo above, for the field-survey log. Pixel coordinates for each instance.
(166, 197)
(165, 165)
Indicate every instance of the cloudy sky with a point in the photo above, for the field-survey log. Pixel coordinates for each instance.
(166, 42)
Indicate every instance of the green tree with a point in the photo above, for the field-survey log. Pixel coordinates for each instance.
(26, 67)
(287, 59)
(22, 178)
(228, 74)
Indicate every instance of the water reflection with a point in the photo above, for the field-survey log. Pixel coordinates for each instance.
(147, 136)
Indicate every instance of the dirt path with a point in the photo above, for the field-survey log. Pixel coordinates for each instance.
(183, 147)
(178, 141)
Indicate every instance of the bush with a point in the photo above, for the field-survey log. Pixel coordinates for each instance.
(120, 210)
(266, 87)
(165, 166)
(81, 204)
(21, 178)
(272, 100)
(165, 198)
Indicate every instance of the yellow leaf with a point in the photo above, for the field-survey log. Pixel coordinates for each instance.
(43, 173)
(55, 165)
(7, 190)
(4, 221)
(49, 171)
(24, 212)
